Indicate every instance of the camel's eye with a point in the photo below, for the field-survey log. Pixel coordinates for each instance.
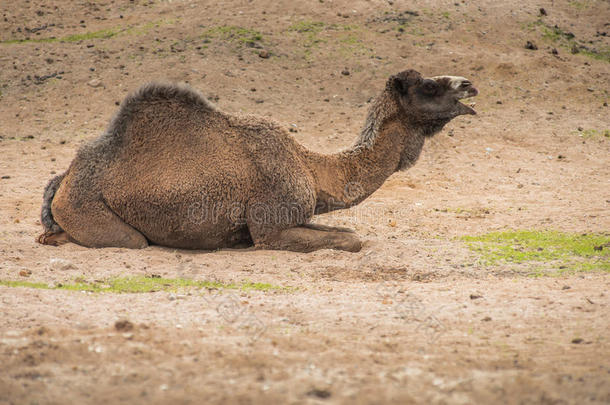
(429, 87)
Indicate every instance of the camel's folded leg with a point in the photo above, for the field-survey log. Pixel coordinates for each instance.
(326, 228)
(93, 224)
(305, 239)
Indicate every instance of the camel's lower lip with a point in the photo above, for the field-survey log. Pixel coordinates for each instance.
(469, 108)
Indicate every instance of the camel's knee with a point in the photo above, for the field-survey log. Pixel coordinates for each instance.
(133, 241)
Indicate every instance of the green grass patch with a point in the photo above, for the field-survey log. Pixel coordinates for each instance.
(566, 252)
(343, 39)
(567, 40)
(579, 5)
(307, 26)
(593, 133)
(308, 35)
(141, 284)
(233, 33)
(101, 34)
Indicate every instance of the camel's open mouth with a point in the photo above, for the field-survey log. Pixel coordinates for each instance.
(467, 93)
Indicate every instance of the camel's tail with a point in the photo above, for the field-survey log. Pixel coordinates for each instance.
(46, 216)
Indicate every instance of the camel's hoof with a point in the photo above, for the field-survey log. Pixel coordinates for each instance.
(53, 239)
(350, 243)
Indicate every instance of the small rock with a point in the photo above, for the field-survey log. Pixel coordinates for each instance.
(486, 319)
(574, 49)
(554, 51)
(123, 325)
(577, 341)
(499, 102)
(345, 72)
(561, 157)
(530, 45)
(475, 296)
(95, 83)
(543, 11)
(566, 287)
(264, 54)
(598, 248)
(319, 393)
(6, 177)
(61, 264)
(25, 273)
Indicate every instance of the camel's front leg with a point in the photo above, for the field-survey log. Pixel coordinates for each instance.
(326, 228)
(304, 239)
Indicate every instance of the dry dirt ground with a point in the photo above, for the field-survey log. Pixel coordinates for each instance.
(416, 316)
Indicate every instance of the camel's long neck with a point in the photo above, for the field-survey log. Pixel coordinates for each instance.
(386, 145)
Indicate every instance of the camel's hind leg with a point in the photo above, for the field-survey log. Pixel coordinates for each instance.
(91, 223)
(305, 239)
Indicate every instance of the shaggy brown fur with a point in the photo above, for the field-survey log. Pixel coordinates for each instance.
(172, 170)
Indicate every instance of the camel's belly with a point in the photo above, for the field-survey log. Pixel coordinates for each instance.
(192, 231)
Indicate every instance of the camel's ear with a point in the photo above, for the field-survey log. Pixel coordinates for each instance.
(403, 80)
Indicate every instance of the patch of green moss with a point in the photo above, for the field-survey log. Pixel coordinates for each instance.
(141, 284)
(567, 252)
(101, 34)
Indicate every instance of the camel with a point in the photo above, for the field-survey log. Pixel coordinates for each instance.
(173, 170)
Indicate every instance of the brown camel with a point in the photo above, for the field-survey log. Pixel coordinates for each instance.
(173, 170)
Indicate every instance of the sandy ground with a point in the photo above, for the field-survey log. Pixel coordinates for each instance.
(412, 318)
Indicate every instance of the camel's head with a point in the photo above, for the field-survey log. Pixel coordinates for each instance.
(430, 103)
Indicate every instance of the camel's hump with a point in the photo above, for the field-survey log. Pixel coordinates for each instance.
(159, 91)
(156, 92)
